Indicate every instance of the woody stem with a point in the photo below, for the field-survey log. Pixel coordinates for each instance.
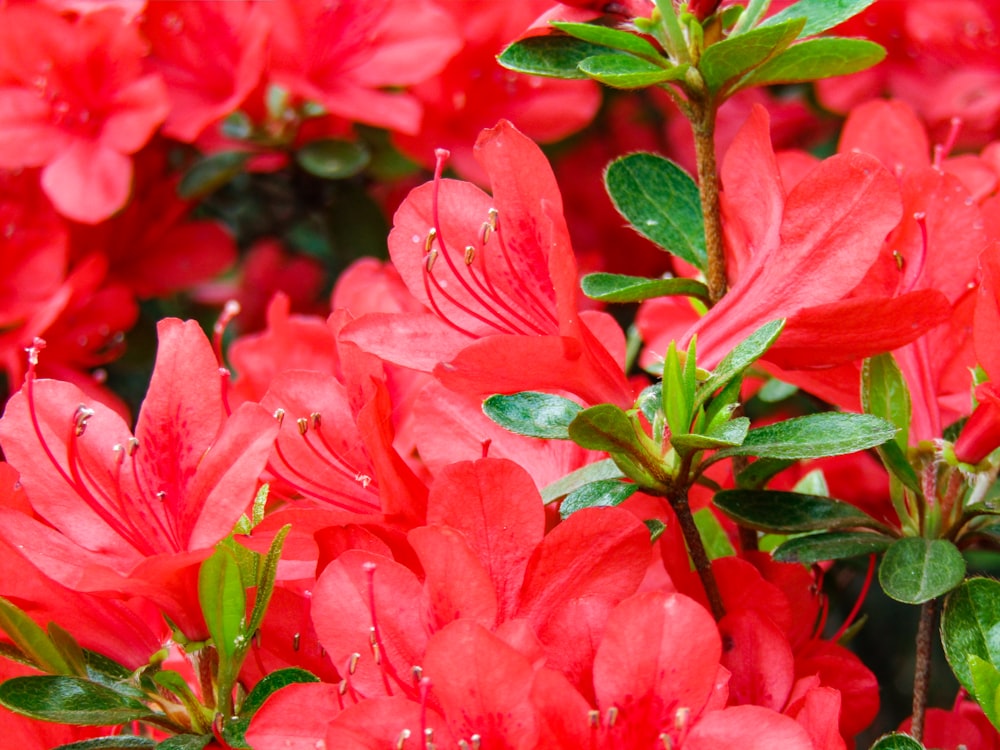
(696, 548)
(703, 125)
(922, 673)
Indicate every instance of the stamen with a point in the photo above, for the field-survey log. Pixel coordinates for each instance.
(279, 415)
(352, 664)
(860, 600)
(316, 419)
(303, 425)
(942, 150)
(470, 254)
(429, 241)
(80, 419)
(229, 311)
(668, 744)
(296, 639)
(403, 737)
(612, 716)
(417, 673)
(594, 718)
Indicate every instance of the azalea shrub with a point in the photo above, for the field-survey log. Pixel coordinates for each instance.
(438, 374)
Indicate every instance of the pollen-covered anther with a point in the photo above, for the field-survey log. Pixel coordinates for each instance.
(668, 744)
(594, 718)
(401, 740)
(131, 446)
(118, 450)
(899, 259)
(470, 254)
(612, 716)
(432, 234)
(303, 424)
(681, 718)
(36, 346)
(431, 257)
(352, 663)
(477, 741)
(428, 736)
(80, 417)
(296, 639)
(342, 688)
(317, 419)
(417, 673)
(489, 226)
(279, 415)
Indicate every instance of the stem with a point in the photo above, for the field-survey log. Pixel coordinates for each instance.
(922, 673)
(703, 126)
(696, 548)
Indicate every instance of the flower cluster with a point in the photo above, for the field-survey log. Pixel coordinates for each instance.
(440, 497)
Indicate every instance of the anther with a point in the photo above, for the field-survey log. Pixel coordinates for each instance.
(295, 641)
(364, 479)
(594, 718)
(279, 414)
(476, 741)
(668, 744)
(612, 715)
(401, 740)
(470, 254)
(36, 346)
(681, 717)
(900, 260)
(161, 496)
(303, 425)
(131, 446)
(80, 418)
(342, 687)
(428, 735)
(352, 664)
(431, 257)
(119, 453)
(417, 673)
(429, 240)
(316, 419)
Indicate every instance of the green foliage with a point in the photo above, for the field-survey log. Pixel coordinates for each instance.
(814, 436)
(612, 38)
(790, 512)
(814, 59)
(70, 700)
(714, 537)
(211, 172)
(333, 159)
(986, 687)
(115, 742)
(740, 358)
(599, 470)
(223, 600)
(33, 642)
(661, 202)
(539, 415)
(970, 626)
(725, 62)
(552, 56)
(611, 287)
(831, 545)
(599, 494)
(820, 15)
(235, 731)
(627, 71)
(896, 741)
(915, 570)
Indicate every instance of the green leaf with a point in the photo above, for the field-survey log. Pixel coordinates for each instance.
(727, 60)
(656, 529)
(775, 390)
(223, 600)
(608, 37)
(210, 173)
(814, 436)
(970, 626)
(628, 72)
(677, 393)
(333, 159)
(744, 354)
(552, 56)
(896, 741)
(612, 287)
(600, 494)
(116, 742)
(604, 469)
(986, 684)
(833, 545)
(69, 700)
(884, 394)
(267, 572)
(813, 483)
(33, 642)
(915, 570)
(894, 459)
(820, 15)
(713, 536)
(661, 202)
(790, 512)
(604, 427)
(731, 433)
(186, 742)
(757, 474)
(813, 59)
(539, 415)
(234, 732)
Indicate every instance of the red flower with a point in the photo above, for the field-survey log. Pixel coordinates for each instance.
(76, 100)
(500, 276)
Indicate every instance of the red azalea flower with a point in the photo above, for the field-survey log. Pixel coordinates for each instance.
(76, 100)
(147, 506)
(342, 56)
(500, 276)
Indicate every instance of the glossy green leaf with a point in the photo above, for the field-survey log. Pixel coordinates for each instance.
(884, 394)
(813, 59)
(628, 72)
(820, 15)
(223, 600)
(69, 648)
(894, 459)
(731, 433)
(539, 415)
(677, 393)
(970, 626)
(115, 742)
(740, 358)
(210, 173)
(234, 732)
(833, 545)
(775, 391)
(757, 474)
(729, 59)
(333, 159)
(609, 37)
(69, 700)
(813, 483)
(552, 56)
(33, 642)
(790, 512)
(600, 494)
(604, 469)
(986, 687)
(915, 570)
(186, 742)
(814, 436)
(656, 528)
(713, 536)
(172, 681)
(604, 427)
(896, 741)
(612, 287)
(661, 202)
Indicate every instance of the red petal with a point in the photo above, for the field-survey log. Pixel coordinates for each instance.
(88, 182)
(313, 706)
(748, 728)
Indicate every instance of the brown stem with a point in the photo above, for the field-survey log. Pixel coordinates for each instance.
(696, 548)
(703, 125)
(922, 673)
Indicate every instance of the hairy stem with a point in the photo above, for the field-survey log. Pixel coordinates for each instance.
(922, 673)
(696, 548)
(703, 125)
